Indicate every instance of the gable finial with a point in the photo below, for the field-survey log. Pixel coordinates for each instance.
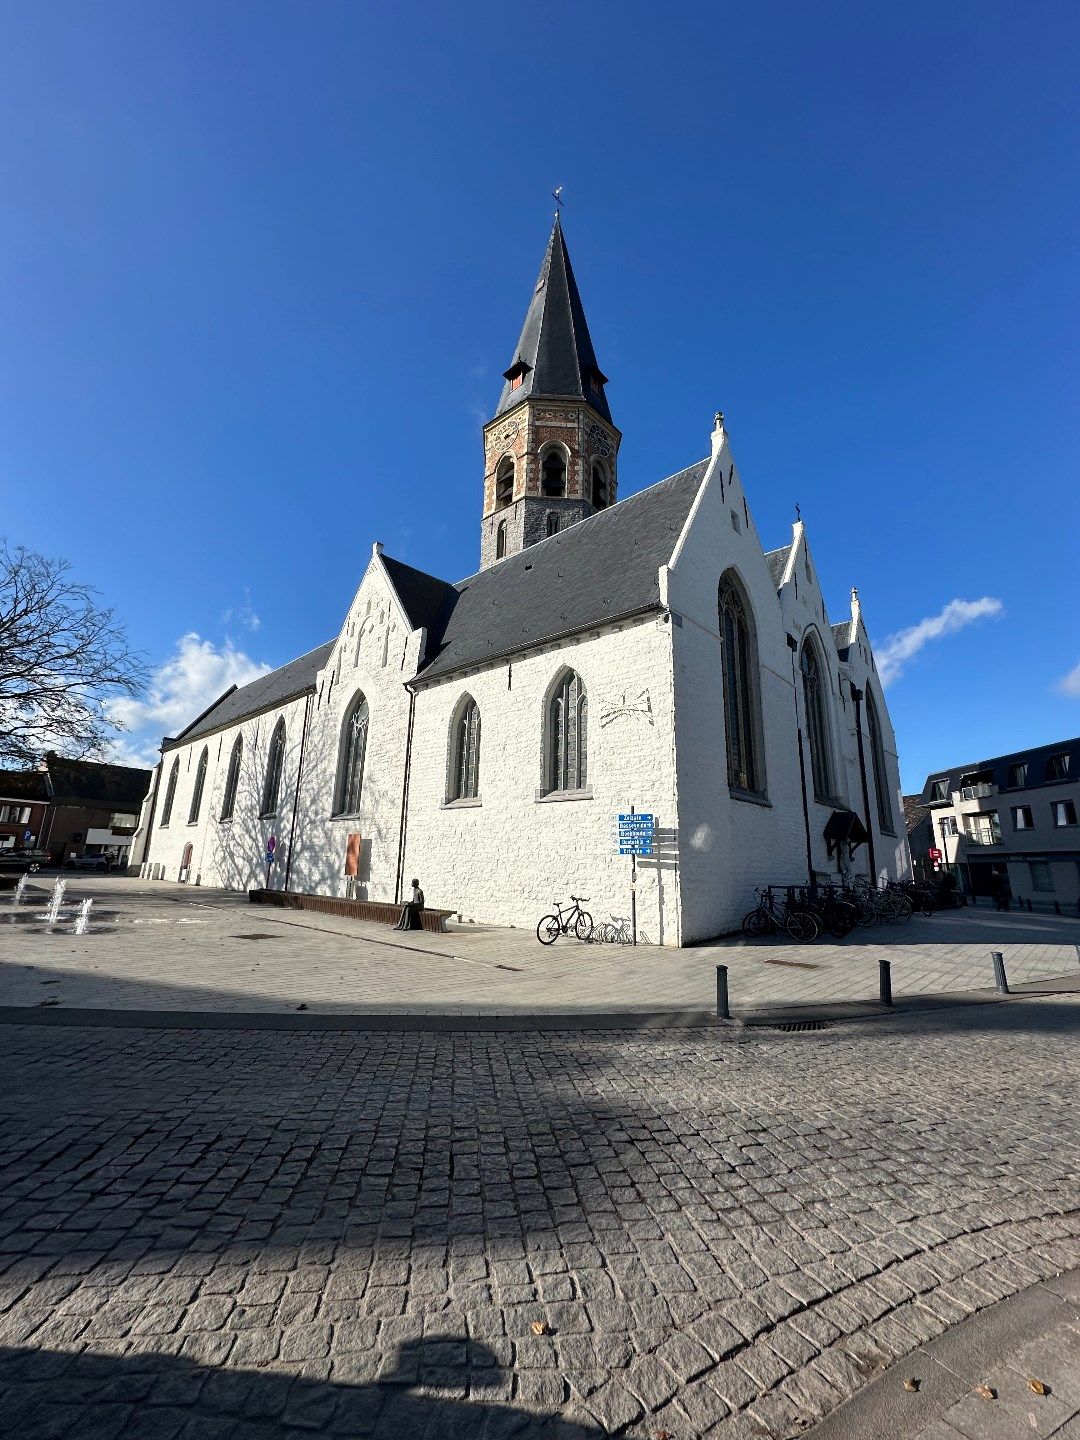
(798, 512)
(556, 195)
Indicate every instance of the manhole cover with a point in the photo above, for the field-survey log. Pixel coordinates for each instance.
(255, 935)
(791, 1025)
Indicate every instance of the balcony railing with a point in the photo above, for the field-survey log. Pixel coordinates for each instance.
(976, 792)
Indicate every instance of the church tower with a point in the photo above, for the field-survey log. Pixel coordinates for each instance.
(550, 452)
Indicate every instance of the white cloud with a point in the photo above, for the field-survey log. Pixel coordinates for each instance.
(179, 690)
(243, 614)
(1070, 684)
(896, 650)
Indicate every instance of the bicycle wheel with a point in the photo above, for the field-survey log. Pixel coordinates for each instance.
(802, 927)
(753, 923)
(583, 925)
(842, 918)
(548, 930)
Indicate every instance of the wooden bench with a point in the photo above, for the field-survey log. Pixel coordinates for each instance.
(382, 912)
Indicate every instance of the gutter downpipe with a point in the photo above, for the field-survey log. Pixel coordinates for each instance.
(856, 695)
(793, 645)
(405, 799)
(296, 794)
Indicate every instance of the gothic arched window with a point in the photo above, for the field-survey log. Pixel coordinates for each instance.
(817, 728)
(500, 541)
(738, 649)
(504, 483)
(350, 780)
(170, 794)
(599, 486)
(274, 763)
(553, 471)
(881, 772)
(196, 794)
(464, 766)
(232, 779)
(567, 734)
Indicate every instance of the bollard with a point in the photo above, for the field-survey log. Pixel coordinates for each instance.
(885, 982)
(722, 1012)
(1000, 979)
(1057, 907)
(1078, 952)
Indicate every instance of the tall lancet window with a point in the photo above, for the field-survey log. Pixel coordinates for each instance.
(553, 471)
(170, 794)
(568, 734)
(464, 768)
(881, 770)
(504, 483)
(232, 780)
(817, 728)
(738, 649)
(274, 764)
(599, 486)
(197, 793)
(500, 541)
(354, 736)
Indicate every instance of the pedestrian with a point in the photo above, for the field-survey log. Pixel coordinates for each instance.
(1001, 890)
(412, 910)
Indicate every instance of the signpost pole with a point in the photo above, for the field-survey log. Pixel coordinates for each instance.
(633, 893)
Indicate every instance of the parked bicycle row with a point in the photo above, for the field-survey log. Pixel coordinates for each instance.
(805, 912)
(573, 920)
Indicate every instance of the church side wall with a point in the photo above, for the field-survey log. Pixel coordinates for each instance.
(504, 861)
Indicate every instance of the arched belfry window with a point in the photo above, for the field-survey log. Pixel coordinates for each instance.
(275, 762)
(170, 793)
(504, 483)
(350, 777)
(200, 782)
(738, 649)
(817, 726)
(881, 770)
(553, 471)
(232, 779)
(599, 486)
(500, 541)
(464, 758)
(567, 747)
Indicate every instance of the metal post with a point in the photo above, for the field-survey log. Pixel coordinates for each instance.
(1000, 980)
(885, 982)
(722, 1011)
(633, 888)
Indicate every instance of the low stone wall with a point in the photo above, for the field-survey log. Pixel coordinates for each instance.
(381, 911)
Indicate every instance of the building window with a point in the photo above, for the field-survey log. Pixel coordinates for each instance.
(567, 735)
(881, 773)
(738, 654)
(599, 486)
(274, 764)
(504, 483)
(816, 724)
(553, 471)
(1018, 775)
(500, 541)
(515, 383)
(939, 791)
(232, 779)
(983, 829)
(170, 793)
(949, 826)
(1041, 876)
(1064, 813)
(464, 767)
(552, 525)
(14, 814)
(976, 786)
(1057, 767)
(196, 794)
(1022, 818)
(354, 736)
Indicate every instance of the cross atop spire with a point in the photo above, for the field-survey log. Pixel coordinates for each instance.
(554, 355)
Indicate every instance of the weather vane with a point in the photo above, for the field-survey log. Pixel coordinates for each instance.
(556, 195)
(798, 511)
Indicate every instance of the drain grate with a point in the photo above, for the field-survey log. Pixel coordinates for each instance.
(255, 935)
(788, 1026)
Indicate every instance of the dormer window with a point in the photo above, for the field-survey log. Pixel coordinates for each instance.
(597, 380)
(516, 374)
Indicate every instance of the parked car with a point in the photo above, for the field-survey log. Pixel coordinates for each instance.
(90, 862)
(23, 859)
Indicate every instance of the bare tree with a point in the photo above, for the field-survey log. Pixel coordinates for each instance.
(62, 659)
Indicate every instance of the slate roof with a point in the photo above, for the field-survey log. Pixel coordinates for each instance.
(421, 595)
(841, 634)
(94, 783)
(1000, 765)
(265, 693)
(914, 811)
(555, 341)
(588, 574)
(26, 785)
(777, 563)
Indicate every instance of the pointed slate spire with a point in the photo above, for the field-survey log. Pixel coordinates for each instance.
(554, 355)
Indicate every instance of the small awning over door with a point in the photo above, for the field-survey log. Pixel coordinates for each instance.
(844, 827)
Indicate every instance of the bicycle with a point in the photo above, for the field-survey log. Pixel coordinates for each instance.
(550, 927)
(615, 931)
(768, 916)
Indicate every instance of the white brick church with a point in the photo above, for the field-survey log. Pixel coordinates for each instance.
(483, 735)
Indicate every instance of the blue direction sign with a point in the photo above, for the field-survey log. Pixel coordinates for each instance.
(635, 834)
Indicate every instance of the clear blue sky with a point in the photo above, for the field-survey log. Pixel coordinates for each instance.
(262, 263)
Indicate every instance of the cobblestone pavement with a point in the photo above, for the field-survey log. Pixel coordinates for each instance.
(686, 1233)
(158, 946)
